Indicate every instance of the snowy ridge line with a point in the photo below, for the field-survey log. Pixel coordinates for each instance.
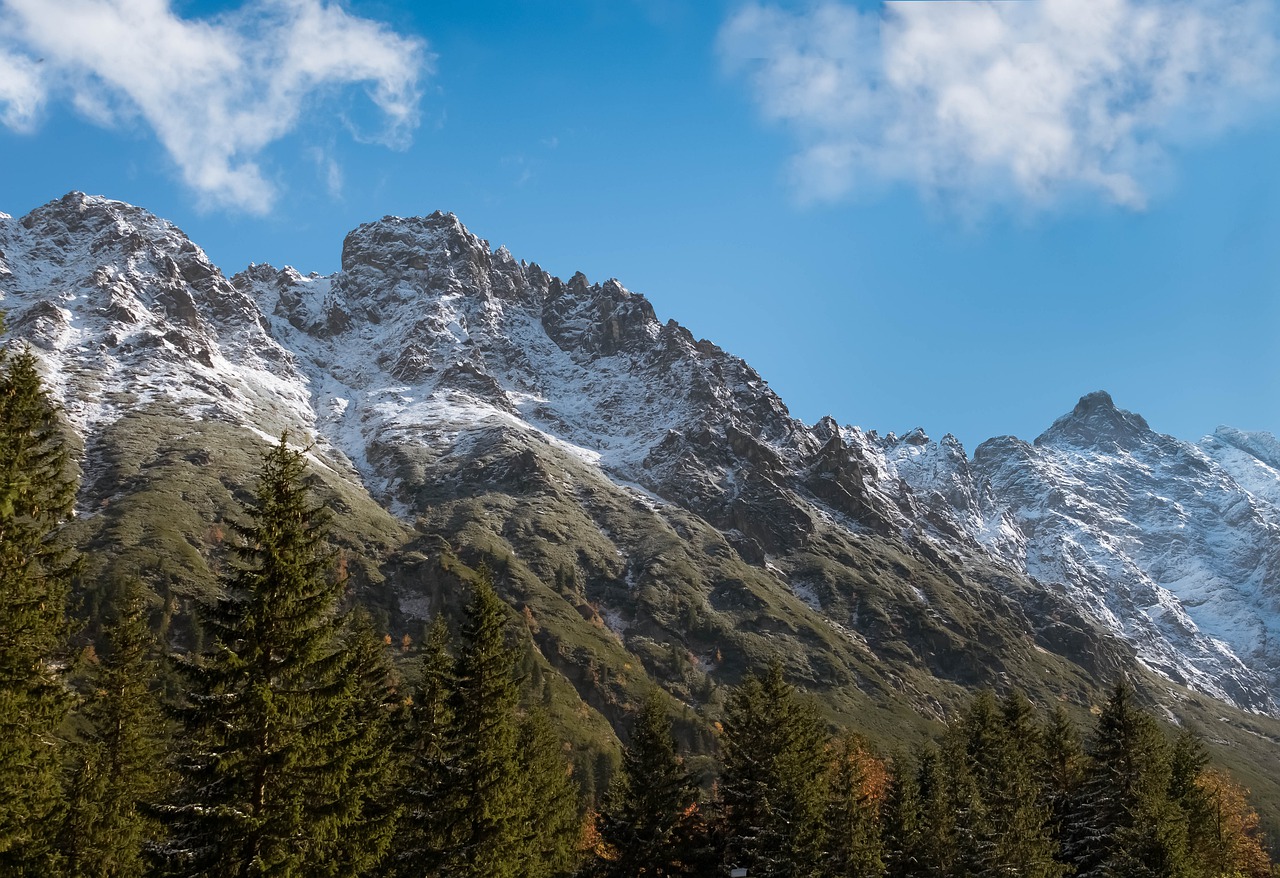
(428, 337)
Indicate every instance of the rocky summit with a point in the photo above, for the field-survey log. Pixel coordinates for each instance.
(657, 513)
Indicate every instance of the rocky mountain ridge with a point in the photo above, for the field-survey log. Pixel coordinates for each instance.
(658, 478)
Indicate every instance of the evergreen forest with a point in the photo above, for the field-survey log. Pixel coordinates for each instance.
(297, 739)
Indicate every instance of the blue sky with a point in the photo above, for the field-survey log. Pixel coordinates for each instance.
(956, 215)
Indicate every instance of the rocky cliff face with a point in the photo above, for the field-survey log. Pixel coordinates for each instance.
(658, 500)
(1173, 546)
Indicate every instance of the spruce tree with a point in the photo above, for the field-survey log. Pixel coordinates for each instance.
(423, 829)
(772, 788)
(855, 789)
(938, 841)
(36, 495)
(1002, 826)
(642, 821)
(368, 809)
(1125, 822)
(1061, 772)
(551, 823)
(262, 790)
(485, 796)
(903, 822)
(119, 770)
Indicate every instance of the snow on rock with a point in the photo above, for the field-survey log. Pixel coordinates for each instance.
(1155, 539)
(429, 344)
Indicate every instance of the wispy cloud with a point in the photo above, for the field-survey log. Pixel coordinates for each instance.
(216, 91)
(1001, 100)
(21, 92)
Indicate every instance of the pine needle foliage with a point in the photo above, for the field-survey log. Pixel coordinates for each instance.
(263, 779)
(551, 824)
(1125, 822)
(119, 767)
(643, 822)
(485, 794)
(36, 496)
(772, 792)
(423, 829)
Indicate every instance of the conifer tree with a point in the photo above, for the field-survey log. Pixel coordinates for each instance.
(262, 782)
(1061, 772)
(1019, 839)
(856, 783)
(368, 809)
(920, 833)
(423, 827)
(36, 495)
(772, 788)
(119, 772)
(642, 823)
(551, 822)
(1125, 822)
(484, 799)
(901, 824)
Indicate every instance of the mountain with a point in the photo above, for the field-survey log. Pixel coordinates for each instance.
(654, 512)
(1172, 546)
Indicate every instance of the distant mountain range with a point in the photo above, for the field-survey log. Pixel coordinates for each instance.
(656, 512)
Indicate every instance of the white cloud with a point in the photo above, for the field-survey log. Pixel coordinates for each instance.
(216, 91)
(991, 100)
(21, 91)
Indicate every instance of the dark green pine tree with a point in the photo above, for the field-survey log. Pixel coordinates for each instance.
(262, 780)
(119, 770)
(1020, 841)
(1002, 829)
(853, 812)
(36, 495)
(551, 822)
(423, 829)
(484, 798)
(771, 790)
(1187, 761)
(369, 758)
(645, 811)
(920, 832)
(1125, 823)
(1061, 772)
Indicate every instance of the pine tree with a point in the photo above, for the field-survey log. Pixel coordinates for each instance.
(119, 771)
(1023, 840)
(1061, 772)
(903, 825)
(484, 799)
(772, 789)
(262, 791)
(1125, 822)
(422, 836)
(920, 832)
(552, 825)
(642, 823)
(36, 495)
(368, 809)
(856, 783)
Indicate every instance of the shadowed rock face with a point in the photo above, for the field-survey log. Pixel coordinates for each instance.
(452, 382)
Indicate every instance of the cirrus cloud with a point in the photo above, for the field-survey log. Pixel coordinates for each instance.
(216, 91)
(1001, 100)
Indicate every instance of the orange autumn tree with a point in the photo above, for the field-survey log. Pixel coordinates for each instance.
(1229, 842)
(856, 784)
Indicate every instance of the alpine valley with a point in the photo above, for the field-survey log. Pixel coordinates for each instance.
(651, 510)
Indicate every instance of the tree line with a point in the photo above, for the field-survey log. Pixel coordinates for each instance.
(293, 746)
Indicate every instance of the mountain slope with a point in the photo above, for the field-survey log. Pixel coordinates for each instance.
(653, 510)
(1172, 546)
